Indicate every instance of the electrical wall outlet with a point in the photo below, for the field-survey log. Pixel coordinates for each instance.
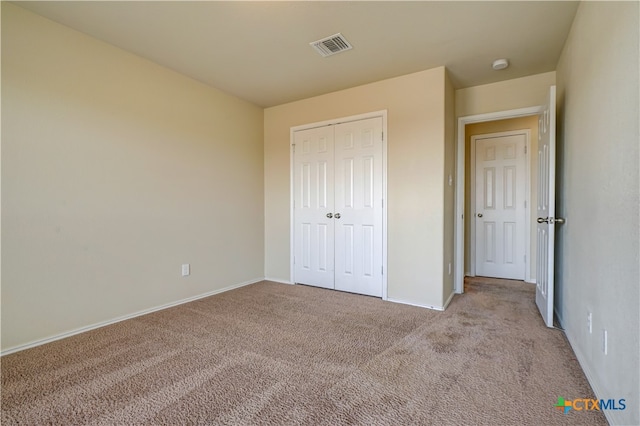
(186, 269)
(605, 343)
(590, 322)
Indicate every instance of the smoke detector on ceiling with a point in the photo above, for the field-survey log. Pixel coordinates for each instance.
(331, 45)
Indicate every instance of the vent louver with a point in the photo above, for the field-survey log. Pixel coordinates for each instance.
(331, 45)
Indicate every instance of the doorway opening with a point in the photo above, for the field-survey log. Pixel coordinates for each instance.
(498, 198)
(491, 123)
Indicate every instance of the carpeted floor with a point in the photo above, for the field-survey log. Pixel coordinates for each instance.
(276, 354)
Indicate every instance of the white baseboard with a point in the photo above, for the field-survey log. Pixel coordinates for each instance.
(530, 281)
(449, 299)
(123, 318)
(435, 308)
(276, 280)
(610, 415)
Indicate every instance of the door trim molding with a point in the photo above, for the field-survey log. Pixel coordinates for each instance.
(374, 114)
(527, 192)
(460, 173)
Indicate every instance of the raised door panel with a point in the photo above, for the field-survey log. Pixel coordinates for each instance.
(313, 201)
(546, 209)
(500, 208)
(358, 198)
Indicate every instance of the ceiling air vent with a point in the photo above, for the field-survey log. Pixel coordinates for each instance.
(331, 45)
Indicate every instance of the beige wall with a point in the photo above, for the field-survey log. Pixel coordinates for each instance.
(505, 95)
(598, 194)
(115, 171)
(449, 191)
(416, 159)
(520, 123)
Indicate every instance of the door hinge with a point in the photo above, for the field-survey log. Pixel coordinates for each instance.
(525, 204)
(293, 145)
(382, 135)
(525, 149)
(382, 270)
(294, 260)
(382, 203)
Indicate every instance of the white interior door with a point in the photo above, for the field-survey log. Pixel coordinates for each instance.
(358, 206)
(338, 211)
(313, 207)
(545, 234)
(500, 204)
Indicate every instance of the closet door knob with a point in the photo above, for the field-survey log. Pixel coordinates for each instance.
(337, 215)
(329, 215)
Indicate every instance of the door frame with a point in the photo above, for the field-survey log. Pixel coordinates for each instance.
(527, 193)
(460, 186)
(374, 114)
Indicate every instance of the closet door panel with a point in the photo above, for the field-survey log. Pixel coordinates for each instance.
(314, 206)
(358, 207)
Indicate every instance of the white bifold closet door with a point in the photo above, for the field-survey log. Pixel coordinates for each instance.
(338, 206)
(313, 207)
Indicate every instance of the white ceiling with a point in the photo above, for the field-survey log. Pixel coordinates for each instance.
(259, 51)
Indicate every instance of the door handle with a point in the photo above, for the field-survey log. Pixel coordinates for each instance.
(337, 215)
(479, 214)
(329, 215)
(552, 220)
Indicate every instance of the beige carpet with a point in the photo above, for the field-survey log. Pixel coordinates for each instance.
(276, 354)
